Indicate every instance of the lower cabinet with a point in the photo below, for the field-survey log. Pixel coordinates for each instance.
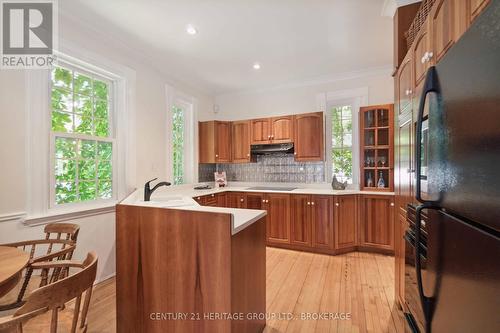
(322, 223)
(377, 217)
(236, 200)
(346, 236)
(278, 218)
(300, 222)
(399, 256)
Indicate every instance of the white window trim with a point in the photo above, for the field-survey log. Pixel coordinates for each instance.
(176, 97)
(38, 142)
(325, 101)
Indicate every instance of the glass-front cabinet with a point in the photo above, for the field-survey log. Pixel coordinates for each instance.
(377, 146)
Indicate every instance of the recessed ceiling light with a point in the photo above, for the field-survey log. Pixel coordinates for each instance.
(256, 66)
(191, 30)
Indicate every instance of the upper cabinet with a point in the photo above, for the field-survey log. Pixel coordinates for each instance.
(272, 130)
(214, 141)
(404, 85)
(241, 141)
(309, 137)
(281, 129)
(475, 7)
(443, 26)
(260, 131)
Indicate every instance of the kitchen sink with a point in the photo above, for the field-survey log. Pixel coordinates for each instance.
(271, 188)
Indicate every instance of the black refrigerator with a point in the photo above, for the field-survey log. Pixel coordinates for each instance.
(452, 277)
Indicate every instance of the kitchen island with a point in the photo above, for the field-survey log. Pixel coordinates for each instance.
(182, 267)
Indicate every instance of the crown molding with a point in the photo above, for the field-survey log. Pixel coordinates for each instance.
(368, 72)
(389, 6)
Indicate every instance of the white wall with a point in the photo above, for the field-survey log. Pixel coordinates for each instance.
(97, 232)
(301, 98)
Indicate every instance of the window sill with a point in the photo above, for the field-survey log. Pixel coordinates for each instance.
(67, 215)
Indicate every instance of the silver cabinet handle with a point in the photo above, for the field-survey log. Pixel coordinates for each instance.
(216, 155)
(241, 200)
(264, 201)
(429, 55)
(312, 203)
(308, 203)
(269, 136)
(248, 155)
(337, 204)
(267, 201)
(392, 204)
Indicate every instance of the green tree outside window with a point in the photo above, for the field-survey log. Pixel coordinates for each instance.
(342, 143)
(178, 131)
(83, 156)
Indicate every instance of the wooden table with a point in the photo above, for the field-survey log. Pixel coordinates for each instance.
(12, 262)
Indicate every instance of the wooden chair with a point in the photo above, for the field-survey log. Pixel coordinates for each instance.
(59, 244)
(53, 297)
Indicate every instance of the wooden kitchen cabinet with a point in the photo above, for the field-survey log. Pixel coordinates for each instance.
(278, 218)
(474, 8)
(241, 141)
(322, 221)
(311, 222)
(281, 129)
(300, 224)
(404, 171)
(260, 132)
(272, 130)
(309, 137)
(255, 200)
(236, 200)
(399, 259)
(443, 16)
(377, 222)
(404, 85)
(422, 55)
(214, 142)
(346, 236)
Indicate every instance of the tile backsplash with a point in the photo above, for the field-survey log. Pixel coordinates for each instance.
(268, 168)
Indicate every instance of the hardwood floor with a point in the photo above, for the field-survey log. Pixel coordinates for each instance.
(356, 287)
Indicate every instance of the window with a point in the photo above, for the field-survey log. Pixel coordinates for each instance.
(342, 145)
(82, 136)
(178, 133)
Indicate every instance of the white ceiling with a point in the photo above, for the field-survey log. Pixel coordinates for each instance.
(294, 40)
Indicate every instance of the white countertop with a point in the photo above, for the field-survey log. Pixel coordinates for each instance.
(176, 197)
(181, 197)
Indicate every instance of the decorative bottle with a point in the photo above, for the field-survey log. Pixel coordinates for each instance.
(369, 180)
(381, 182)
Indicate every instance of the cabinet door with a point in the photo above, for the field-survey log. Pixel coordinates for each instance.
(300, 223)
(255, 201)
(236, 200)
(404, 85)
(345, 221)
(278, 218)
(221, 199)
(443, 27)
(377, 221)
(241, 141)
(223, 141)
(399, 254)
(282, 129)
(322, 221)
(422, 54)
(206, 142)
(475, 8)
(209, 200)
(260, 131)
(308, 137)
(405, 167)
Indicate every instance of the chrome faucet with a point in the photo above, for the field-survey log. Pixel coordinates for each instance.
(148, 190)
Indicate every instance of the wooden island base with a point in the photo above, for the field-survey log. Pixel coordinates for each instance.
(183, 271)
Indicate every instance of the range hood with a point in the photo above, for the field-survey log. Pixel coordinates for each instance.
(283, 148)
